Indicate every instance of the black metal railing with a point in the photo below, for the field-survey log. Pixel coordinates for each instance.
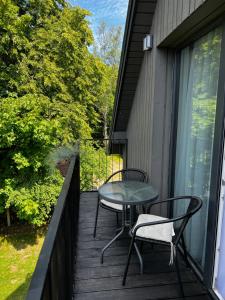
(54, 272)
(99, 158)
(53, 276)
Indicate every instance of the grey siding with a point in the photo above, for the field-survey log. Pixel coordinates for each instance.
(171, 13)
(148, 130)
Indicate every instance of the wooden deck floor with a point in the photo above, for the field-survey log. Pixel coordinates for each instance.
(95, 281)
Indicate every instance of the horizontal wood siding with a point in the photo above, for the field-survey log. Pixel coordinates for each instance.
(148, 130)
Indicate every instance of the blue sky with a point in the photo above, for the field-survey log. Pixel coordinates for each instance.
(113, 12)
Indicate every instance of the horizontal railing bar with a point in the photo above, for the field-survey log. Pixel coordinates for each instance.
(102, 139)
(38, 280)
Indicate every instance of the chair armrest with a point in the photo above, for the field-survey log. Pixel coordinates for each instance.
(117, 172)
(168, 200)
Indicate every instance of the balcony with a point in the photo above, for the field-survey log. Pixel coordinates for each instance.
(69, 264)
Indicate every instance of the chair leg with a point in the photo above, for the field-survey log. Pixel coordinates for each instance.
(185, 250)
(178, 275)
(140, 258)
(128, 261)
(96, 219)
(141, 247)
(117, 219)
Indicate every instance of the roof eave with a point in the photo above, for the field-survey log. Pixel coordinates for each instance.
(128, 26)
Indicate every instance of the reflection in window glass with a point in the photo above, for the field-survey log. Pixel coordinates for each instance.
(199, 72)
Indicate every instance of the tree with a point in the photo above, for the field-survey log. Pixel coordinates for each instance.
(27, 133)
(54, 61)
(49, 83)
(19, 19)
(106, 99)
(107, 47)
(108, 43)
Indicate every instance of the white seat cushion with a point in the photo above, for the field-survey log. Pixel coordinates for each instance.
(112, 205)
(160, 232)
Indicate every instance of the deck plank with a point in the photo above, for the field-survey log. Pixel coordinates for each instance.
(93, 280)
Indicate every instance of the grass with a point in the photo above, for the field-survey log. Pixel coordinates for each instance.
(19, 251)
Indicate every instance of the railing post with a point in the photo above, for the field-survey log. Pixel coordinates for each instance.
(125, 154)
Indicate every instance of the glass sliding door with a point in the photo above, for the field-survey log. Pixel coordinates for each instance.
(198, 84)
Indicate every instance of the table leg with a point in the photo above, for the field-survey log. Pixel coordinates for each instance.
(132, 215)
(123, 227)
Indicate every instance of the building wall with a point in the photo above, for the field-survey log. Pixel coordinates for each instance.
(149, 126)
(171, 13)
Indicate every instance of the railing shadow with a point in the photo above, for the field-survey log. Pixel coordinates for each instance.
(20, 292)
(21, 240)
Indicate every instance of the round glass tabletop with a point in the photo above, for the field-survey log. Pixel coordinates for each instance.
(128, 192)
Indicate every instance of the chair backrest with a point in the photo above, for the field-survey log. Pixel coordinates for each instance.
(130, 174)
(134, 175)
(193, 207)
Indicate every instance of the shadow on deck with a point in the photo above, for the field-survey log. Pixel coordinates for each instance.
(95, 281)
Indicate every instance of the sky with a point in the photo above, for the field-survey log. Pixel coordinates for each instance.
(113, 12)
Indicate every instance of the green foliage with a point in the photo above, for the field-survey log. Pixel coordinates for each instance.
(46, 52)
(49, 87)
(106, 98)
(53, 92)
(27, 133)
(94, 164)
(32, 200)
(97, 164)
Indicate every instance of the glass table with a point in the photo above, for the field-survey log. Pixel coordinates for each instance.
(129, 194)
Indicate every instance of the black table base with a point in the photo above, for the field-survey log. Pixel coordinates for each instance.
(127, 224)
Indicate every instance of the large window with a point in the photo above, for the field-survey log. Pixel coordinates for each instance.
(198, 85)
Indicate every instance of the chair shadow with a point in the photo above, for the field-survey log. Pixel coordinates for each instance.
(21, 291)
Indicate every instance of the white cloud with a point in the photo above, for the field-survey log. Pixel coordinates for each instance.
(112, 12)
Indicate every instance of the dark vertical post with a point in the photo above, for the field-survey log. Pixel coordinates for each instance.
(125, 154)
